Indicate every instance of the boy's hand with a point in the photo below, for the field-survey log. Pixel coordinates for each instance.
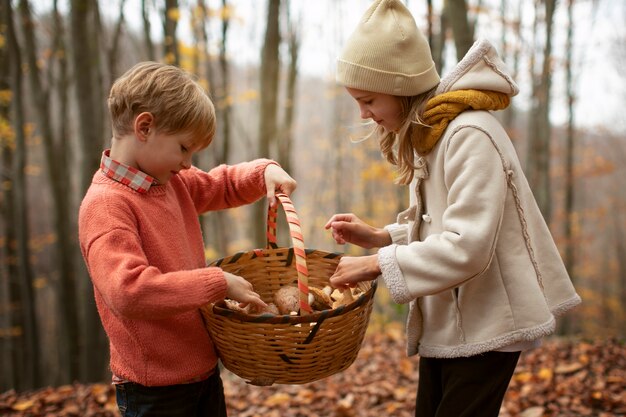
(239, 289)
(277, 180)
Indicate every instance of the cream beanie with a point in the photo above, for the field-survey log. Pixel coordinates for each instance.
(387, 53)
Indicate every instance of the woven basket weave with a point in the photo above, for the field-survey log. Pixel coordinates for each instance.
(282, 349)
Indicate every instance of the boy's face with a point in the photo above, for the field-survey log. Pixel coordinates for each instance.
(164, 154)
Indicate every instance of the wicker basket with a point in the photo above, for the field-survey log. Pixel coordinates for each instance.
(269, 349)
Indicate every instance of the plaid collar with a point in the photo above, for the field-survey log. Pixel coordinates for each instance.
(124, 174)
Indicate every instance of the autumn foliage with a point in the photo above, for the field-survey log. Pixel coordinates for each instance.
(562, 378)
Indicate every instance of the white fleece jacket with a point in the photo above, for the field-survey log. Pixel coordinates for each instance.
(473, 255)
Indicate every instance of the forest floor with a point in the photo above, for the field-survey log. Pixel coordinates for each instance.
(561, 378)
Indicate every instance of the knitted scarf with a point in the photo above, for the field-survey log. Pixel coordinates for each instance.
(443, 108)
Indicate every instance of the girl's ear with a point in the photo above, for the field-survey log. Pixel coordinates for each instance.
(144, 125)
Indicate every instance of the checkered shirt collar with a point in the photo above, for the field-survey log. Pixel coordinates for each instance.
(124, 174)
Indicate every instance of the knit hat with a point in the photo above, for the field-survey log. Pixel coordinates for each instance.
(387, 53)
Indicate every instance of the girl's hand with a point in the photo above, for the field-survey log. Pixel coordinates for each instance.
(352, 270)
(348, 228)
(239, 289)
(277, 180)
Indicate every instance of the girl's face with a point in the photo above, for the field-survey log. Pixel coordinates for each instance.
(384, 109)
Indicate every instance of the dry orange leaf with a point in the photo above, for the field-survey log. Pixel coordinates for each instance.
(568, 368)
(23, 405)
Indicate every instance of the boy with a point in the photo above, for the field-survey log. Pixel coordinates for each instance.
(141, 240)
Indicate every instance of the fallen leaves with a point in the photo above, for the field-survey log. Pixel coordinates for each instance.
(562, 378)
(95, 400)
(569, 378)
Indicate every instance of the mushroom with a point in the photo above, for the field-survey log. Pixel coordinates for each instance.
(270, 308)
(250, 309)
(287, 299)
(342, 298)
(234, 305)
(319, 300)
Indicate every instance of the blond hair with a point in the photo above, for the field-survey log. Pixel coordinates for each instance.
(177, 102)
(399, 147)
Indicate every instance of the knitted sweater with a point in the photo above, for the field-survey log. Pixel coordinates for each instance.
(145, 256)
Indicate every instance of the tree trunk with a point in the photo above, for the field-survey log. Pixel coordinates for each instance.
(89, 100)
(512, 53)
(146, 31)
(221, 218)
(456, 10)
(115, 43)
(63, 86)
(225, 108)
(30, 366)
(16, 330)
(9, 373)
(170, 23)
(58, 174)
(620, 248)
(286, 138)
(269, 104)
(538, 160)
(569, 259)
(437, 40)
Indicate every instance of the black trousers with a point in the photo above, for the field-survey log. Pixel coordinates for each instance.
(464, 387)
(198, 399)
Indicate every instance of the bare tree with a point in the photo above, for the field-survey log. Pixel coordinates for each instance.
(225, 113)
(539, 129)
(569, 155)
(170, 24)
(293, 39)
(437, 40)
(91, 115)
(25, 351)
(58, 174)
(113, 50)
(620, 249)
(218, 221)
(511, 51)
(269, 101)
(146, 30)
(221, 218)
(463, 31)
(8, 377)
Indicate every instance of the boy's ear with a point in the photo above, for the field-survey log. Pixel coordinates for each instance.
(144, 124)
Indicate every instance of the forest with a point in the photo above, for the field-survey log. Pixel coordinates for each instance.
(269, 68)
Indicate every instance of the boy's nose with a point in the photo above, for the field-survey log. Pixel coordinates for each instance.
(186, 164)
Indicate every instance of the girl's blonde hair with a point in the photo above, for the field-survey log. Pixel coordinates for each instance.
(398, 148)
(177, 102)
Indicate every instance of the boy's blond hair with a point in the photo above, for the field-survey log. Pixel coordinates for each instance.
(177, 102)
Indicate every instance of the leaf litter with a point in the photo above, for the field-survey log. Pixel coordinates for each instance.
(564, 377)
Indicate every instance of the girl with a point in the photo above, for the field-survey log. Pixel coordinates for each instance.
(472, 255)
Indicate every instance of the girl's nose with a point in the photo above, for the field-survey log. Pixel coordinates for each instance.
(365, 113)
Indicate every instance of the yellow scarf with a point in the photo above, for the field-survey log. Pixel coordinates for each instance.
(442, 109)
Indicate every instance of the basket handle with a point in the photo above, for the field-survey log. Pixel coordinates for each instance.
(298, 245)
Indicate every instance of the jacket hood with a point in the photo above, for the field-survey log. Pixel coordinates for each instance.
(480, 69)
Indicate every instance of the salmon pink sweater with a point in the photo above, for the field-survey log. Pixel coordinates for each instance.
(145, 256)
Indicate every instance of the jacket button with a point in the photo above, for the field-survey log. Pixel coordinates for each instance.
(426, 218)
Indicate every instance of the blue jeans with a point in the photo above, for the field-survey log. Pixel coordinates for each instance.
(199, 399)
